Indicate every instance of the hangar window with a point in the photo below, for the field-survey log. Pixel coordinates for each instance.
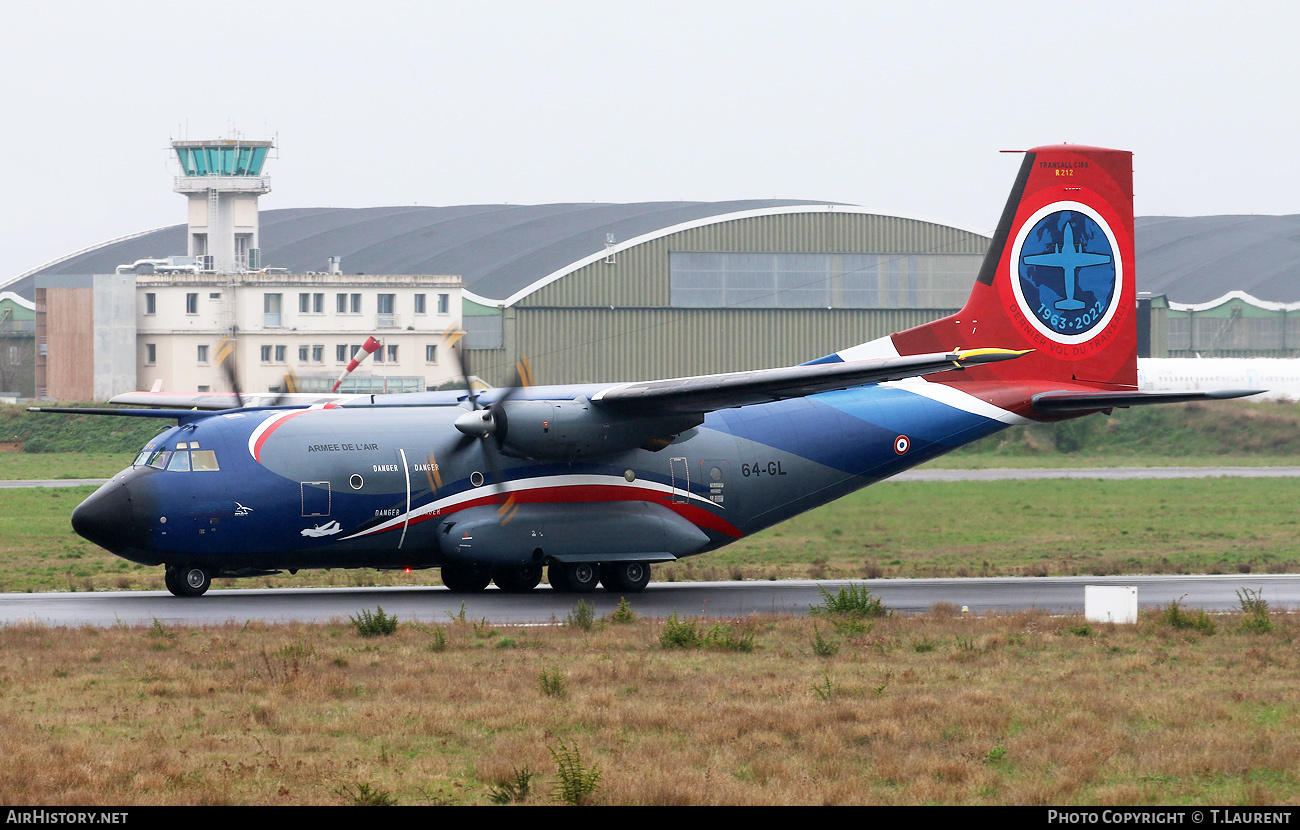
(764, 280)
(483, 331)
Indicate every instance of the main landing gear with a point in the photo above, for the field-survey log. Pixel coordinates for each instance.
(187, 580)
(565, 577)
(581, 577)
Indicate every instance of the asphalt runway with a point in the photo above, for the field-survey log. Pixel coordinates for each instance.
(722, 600)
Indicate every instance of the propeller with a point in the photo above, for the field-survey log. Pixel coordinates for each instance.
(226, 360)
(480, 421)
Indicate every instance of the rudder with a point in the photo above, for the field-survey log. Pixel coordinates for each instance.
(1058, 277)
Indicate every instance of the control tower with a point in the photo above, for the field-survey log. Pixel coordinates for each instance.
(222, 180)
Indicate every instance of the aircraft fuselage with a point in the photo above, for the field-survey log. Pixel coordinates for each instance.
(375, 486)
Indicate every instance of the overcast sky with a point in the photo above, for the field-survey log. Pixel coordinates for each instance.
(898, 106)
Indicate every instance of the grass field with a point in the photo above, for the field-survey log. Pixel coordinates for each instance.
(919, 709)
(894, 529)
(922, 709)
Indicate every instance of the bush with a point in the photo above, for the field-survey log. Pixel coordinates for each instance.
(823, 647)
(577, 781)
(552, 683)
(852, 600)
(679, 633)
(583, 616)
(1175, 616)
(623, 613)
(439, 641)
(513, 790)
(374, 625)
(727, 638)
(367, 796)
(1254, 609)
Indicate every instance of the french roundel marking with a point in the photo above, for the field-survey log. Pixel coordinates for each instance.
(902, 444)
(1067, 282)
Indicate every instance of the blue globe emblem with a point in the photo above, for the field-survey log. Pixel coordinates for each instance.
(1067, 272)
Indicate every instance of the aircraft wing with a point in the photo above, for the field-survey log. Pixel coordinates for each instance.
(1067, 401)
(226, 400)
(706, 393)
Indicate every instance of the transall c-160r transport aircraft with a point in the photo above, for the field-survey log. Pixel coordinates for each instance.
(597, 482)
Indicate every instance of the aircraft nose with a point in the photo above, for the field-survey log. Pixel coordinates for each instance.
(107, 518)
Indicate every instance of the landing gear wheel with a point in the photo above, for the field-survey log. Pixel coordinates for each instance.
(574, 577)
(188, 581)
(465, 579)
(555, 575)
(625, 577)
(519, 579)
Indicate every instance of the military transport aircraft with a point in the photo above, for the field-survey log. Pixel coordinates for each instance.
(597, 482)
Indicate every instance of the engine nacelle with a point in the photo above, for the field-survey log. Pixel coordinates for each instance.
(580, 429)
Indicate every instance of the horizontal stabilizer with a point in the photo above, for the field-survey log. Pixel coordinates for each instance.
(709, 392)
(1065, 401)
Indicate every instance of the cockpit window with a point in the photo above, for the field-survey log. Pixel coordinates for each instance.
(182, 460)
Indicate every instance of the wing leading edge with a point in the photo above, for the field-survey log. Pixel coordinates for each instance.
(706, 393)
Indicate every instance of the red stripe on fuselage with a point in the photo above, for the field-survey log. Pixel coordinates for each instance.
(697, 516)
(281, 421)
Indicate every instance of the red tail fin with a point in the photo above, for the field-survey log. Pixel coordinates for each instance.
(1058, 277)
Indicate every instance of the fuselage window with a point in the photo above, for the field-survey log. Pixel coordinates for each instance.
(159, 459)
(142, 458)
(204, 460)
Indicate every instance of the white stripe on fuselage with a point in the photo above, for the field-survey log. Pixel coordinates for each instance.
(883, 348)
(957, 399)
(447, 503)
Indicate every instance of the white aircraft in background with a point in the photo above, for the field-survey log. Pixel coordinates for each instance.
(1279, 377)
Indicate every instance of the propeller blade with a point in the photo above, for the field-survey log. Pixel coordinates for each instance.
(507, 510)
(288, 386)
(432, 473)
(451, 341)
(226, 359)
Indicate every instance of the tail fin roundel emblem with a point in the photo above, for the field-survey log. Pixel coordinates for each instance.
(1067, 272)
